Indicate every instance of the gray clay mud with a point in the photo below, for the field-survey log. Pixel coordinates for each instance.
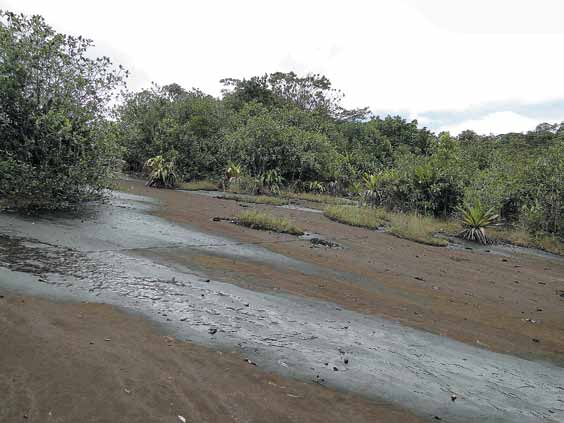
(92, 258)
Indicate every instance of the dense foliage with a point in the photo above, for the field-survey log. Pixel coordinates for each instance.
(282, 130)
(56, 146)
(268, 134)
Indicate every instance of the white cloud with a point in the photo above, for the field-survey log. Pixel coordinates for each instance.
(495, 123)
(391, 55)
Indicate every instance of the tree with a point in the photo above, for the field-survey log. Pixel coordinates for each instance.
(56, 147)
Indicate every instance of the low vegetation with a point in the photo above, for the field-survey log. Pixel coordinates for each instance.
(267, 222)
(255, 199)
(421, 229)
(201, 185)
(363, 217)
(523, 238)
(315, 198)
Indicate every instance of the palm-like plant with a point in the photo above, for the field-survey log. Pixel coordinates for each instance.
(233, 171)
(272, 180)
(475, 219)
(315, 186)
(163, 174)
(370, 182)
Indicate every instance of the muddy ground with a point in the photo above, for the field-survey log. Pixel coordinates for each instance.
(92, 363)
(489, 299)
(375, 328)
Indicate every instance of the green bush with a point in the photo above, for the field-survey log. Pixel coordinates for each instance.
(56, 147)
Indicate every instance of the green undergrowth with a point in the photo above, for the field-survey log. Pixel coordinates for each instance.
(202, 185)
(522, 238)
(255, 199)
(421, 229)
(315, 198)
(266, 222)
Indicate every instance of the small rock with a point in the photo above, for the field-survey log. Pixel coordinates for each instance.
(419, 278)
(212, 331)
(183, 319)
(127, 391)
(504, 260)
(539, 309)
(536, 340)
(107, 339)
(335, 369)
(453, 397)
(208, 280)
(182, 419)
(216, 219)
(248, 360)
(437, 418)
(346, 361)
(91, 342)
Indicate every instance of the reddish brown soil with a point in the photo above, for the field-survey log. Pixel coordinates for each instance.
(93, 363)
(482, 299)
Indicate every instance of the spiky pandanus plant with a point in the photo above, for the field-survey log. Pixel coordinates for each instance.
(315, 187)
(233, 171)
(370, 195)
(163, 174)
(475, 219)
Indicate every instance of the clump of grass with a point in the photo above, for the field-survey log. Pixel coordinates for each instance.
(522, 238)
(315, 198)
(421, 229)
(363, 217)
(202, 185)
(413, 227)
(255, 199)
(266, 222)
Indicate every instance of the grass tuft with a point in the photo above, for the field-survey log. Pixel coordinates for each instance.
(315, 198)
(202, 185)
(255, 199)
(422, 229)
(522, 238)
(257, 220)
(362, 217)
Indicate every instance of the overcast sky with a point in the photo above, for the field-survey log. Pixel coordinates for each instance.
(488, 65)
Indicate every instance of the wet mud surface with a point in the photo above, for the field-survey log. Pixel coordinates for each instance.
(112, 256)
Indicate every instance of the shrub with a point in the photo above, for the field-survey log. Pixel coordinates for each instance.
(163, 174)
(475, 219)
(56, 148)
